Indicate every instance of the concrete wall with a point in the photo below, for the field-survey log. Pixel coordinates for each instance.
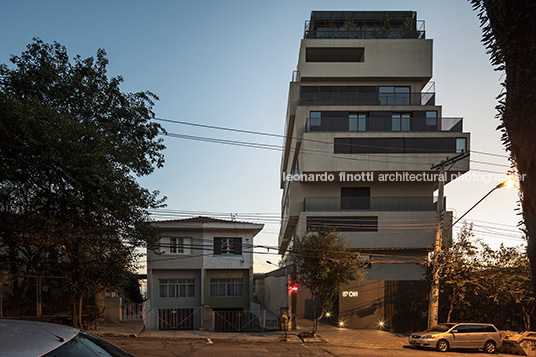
(163, 259)
(243, 261)
(276, 293)
(363, 307)
(409, 58)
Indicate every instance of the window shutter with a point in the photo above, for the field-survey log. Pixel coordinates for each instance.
(238, 246)
(217, 246)
(164, 245)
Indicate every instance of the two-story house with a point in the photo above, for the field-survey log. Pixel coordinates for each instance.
(362, 132)
(200, 263)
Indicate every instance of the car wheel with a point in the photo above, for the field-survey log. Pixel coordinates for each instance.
(489, 347)
(442, 345)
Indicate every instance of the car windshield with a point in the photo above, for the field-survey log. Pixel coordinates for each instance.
(441, 328)
(87, 345)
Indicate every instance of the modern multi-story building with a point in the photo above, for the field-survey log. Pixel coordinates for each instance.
(362, 133)
(200, 264)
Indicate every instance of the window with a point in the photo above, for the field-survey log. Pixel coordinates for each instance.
(355, 198)
(400, 121)
(431, 118)
(461, 145)
(227, 246)
(176, 245)
(226, 287)
(394, 95)
(357, 122)
(177, 288)
(334, 54)
(316, 119)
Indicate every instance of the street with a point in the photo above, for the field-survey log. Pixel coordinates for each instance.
(153, 347)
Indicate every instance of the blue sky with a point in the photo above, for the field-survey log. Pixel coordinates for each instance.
(229, 63)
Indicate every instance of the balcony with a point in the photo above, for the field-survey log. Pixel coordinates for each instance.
(387, 203)
(386, 124)
(367, 98)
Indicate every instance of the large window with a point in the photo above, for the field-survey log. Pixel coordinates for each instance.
(226, 287)
(227, 246)
(394, 95)
(400, 122)
(357, 122)
(177, 288)
(461, 145)
(431, 118)
(316, 119)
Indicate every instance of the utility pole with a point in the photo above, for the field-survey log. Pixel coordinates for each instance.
(433, 307)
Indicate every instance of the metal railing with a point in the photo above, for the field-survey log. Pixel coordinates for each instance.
(367, 98)
(386, 203)
(385, 124)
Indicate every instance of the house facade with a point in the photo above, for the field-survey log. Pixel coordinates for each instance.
(200, 264)
(362, 133)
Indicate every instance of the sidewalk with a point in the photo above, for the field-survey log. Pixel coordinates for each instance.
(328, 333)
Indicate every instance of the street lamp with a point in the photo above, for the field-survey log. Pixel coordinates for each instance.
(433, 310)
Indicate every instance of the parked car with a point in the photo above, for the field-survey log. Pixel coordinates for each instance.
(458, 335)
(29, 339)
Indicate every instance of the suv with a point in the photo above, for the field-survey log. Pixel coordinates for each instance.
(458, 335)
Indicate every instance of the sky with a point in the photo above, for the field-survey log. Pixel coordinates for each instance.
(229, 63)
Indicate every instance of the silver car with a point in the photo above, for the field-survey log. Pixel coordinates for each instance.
(458, 335)
(29, 339)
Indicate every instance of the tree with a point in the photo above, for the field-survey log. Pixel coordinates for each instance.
(71, 146)
(323, 263)
(459, 270)
(509, 34)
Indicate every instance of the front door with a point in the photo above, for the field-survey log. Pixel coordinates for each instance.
(461, 336)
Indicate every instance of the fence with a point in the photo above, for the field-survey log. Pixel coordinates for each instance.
(28, 296)
(131, 312)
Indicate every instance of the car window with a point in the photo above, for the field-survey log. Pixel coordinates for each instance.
(488, 328)
(475, 328)
(462, 329)
(87, 345)
(441, 328)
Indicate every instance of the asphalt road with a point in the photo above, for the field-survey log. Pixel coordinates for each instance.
(153, 347)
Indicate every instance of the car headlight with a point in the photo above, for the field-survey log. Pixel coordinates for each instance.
(427, 337)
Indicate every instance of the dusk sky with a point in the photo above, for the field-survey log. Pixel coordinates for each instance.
(229, 63)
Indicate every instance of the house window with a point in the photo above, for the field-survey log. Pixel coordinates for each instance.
(177, 288)
(176, 245)
(461, 145)
(431, 118)
(226, 287)
(400, 122)
(316, 119)
(227, 246)
(358, 122)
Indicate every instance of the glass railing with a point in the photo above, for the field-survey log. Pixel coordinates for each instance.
(386, 203)
(337, 30)
(385, 124)
(367, 98)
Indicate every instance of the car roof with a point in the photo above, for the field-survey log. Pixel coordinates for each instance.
(29, 338)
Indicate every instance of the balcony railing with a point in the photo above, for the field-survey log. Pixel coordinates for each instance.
(367, 98)
(385, 124)
(387, 203)
(362, 31)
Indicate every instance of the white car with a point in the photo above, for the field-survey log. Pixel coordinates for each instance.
(30, 339)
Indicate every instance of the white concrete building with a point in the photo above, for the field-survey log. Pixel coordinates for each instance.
(199, 262)
(362, 132)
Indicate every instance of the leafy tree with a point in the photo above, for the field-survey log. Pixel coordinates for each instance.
(509, 34)
(323, 263)
(459, 270)
(71, 146)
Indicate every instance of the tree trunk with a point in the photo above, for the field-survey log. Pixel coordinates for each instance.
(77, 311)
(451, 305)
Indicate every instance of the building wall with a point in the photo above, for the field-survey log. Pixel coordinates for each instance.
(364, 310)
(163, 259)
(242, 261)
(382, 58)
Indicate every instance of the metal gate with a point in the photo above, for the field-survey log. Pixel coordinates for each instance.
(179, 318)
(131, 312)
(236, 321)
